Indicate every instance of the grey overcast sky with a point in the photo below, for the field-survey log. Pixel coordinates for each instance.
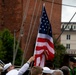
(68, 12)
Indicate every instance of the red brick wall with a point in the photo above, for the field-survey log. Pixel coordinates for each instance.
(11, 14)
(55, 19)
(11, 17)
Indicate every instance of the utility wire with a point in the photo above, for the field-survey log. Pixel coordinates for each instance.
(28, 36)
(59, 3)
(33, 27)
(24, 18)
(51, 9)
(64, 28)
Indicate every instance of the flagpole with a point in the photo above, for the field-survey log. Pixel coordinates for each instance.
(14, 45)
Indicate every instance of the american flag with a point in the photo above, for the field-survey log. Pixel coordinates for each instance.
(44, 48)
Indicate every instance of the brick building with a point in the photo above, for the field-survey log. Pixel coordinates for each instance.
(13, 11)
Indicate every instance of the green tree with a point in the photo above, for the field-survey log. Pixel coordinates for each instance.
(6, 48)
(59, 54)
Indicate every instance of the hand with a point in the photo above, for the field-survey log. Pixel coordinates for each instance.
(31, 59)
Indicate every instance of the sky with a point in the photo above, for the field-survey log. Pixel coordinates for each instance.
(68, 12)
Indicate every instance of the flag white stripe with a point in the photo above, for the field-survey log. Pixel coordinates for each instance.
(42, 62)
(45, 36)
(38, 61)
(39, 52)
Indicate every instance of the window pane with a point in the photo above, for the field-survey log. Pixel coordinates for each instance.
(68, 46)
(68, 37)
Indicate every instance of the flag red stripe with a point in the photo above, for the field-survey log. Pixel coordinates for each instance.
(42, 47)
(45, 40)
(38, 55)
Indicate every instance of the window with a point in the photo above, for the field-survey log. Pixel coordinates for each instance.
(67, 46)
(74, 27)
(63, 26)
(67, 27)
(68, 37)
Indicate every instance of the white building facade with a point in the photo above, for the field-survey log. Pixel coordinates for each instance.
(68, 37)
